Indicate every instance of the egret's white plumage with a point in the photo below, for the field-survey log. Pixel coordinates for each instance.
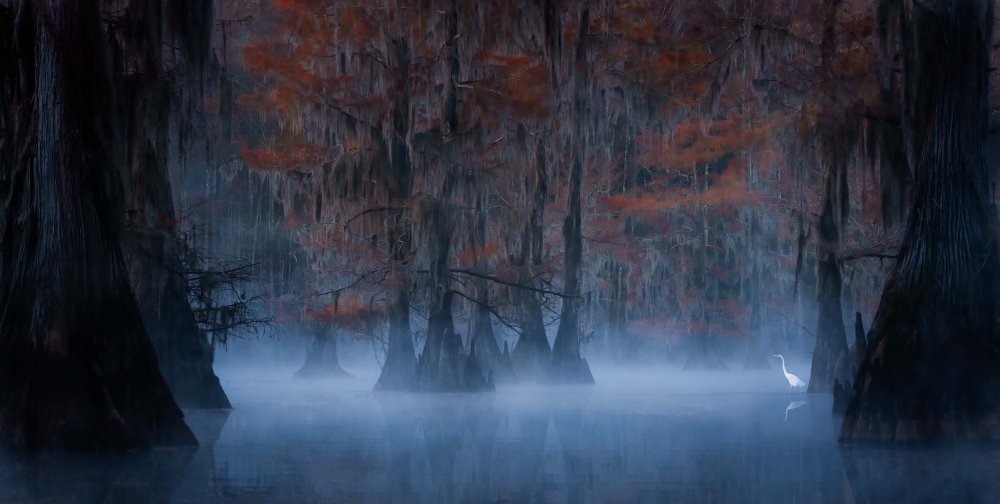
(793, 381)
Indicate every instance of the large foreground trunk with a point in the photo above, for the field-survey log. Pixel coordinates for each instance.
(933, 368)
(77, 369)
(146, 101)
(186, 355)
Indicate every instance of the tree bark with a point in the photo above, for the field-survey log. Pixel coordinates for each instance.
(933, 369)
(400, 361)
(532, 352)
(442, 366)
(860, 348)
(150, 244)
(831, 336)
(77, 368)
(488, 355)
(567, 365)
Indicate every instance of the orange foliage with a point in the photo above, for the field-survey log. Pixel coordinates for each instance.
(524, 81)
(355, 24)
(693, 145)
(728, 189)
(491, 250)
(294, 156)
(349, 313)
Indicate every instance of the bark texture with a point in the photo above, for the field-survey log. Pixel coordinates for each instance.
(400, 361)
(76, 365)
(532, 350)
(831, 336)
(933, 369)
(146, 103)
(442, 365)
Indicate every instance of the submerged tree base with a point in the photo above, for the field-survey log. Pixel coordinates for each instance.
(328, 370)
(570, 372)
(913, 391)
(929, 375)
(452, 370)
(200, 392)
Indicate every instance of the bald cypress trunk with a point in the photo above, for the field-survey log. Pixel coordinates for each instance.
(495, 363)
(443, 366)
(831, 336)
(400, 361)
(932, 371)
(322, 360)
(77, 369)
(150, 242)
(532, 350)
(567, 365)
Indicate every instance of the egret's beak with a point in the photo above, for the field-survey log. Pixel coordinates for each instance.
(774, 356)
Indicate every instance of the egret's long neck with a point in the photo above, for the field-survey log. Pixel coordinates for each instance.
(783, 368)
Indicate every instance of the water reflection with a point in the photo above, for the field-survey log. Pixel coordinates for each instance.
(603, 444)
(794, 405)
(966, 474)
(141, 477)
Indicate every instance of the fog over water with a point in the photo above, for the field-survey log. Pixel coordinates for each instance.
(639, 435)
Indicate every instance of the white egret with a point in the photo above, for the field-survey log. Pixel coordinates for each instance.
(793, 381)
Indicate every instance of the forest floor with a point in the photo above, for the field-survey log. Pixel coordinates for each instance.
(634, 437)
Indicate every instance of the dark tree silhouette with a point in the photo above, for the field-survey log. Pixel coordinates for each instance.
(77, 368)
(149, 99)
(933, 368)
(567, 365)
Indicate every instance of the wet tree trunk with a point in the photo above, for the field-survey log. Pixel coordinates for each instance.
(831, 336)
(150, 243)
(322, 360)
(567, 365)
(400, 361)
(933, 368)
(77, 368)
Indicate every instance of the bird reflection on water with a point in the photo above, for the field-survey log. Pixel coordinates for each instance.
(794, 405)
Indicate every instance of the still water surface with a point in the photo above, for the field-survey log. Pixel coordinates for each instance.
(676, 438)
